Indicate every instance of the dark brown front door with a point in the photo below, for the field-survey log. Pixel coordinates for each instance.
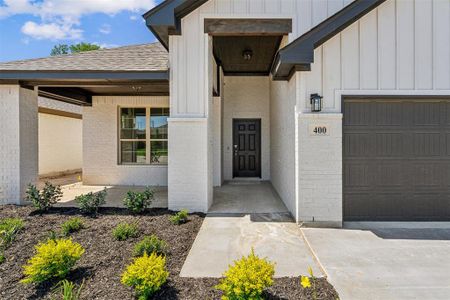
(246, 148)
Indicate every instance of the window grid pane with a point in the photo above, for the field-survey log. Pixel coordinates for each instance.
(138, 147)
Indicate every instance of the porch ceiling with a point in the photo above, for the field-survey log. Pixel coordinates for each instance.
(229, 52)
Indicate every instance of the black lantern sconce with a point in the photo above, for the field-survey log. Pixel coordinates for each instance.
(247, 54)
(316, 102)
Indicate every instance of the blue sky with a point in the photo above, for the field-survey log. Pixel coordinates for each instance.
(30, 28)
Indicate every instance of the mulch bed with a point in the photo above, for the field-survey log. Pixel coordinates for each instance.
(105, 258)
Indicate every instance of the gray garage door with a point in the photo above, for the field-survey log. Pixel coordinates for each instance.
(396, 159)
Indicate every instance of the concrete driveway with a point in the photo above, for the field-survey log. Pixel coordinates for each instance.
(385, 261)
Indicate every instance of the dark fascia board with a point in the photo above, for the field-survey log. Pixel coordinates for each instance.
(82, 75)
(71, 95)
(165, 19)
(300, 53)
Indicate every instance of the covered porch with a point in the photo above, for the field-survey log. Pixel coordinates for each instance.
(88, 80)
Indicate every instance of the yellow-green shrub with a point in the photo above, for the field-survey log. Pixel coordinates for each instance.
(146, 275)
(247, 278)
(53, 259)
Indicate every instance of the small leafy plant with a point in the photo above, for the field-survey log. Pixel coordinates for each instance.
(146, 275)
(150, 244)
(124, 231)
(247, 278)
(45, 198)
(306, 283)
(138, 202)
(72, 225)
(9, 228)
(89, 203)
(180, 217)
(53, 259)
(68, 290)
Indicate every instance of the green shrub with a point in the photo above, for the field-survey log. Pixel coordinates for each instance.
(123, 231)
(180, 217)
(52, 235)
(68, 291)
(89, 203)
(247, 278)
(72, 225)
(45, 198)
(9, 228)
(150, 244)
(146, 275)
(2, 258)
(138, 202)
(53, 259)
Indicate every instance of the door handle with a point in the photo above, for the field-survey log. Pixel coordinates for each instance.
(235, 150)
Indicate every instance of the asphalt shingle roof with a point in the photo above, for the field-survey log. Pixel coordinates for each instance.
(147, 57)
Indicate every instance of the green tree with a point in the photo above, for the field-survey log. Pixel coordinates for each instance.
(60, 49)
(82, 47)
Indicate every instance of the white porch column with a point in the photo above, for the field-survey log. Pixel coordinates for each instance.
(188, 181)
(190, 167)
(18, 142)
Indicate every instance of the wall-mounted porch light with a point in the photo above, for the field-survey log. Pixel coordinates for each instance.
(247, 54)
(316, 102)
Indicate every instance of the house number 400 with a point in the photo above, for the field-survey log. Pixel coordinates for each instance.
(320, 130)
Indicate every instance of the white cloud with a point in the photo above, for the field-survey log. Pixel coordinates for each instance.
(106, 45)
(60, 19)
(105, 29)
(51, 31)
(133, 18)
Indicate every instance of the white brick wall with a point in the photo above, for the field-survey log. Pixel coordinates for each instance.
(18, 142)
(282, 141)
(320, 170)
(59, 105)
(188, 165)
(60, 144)
(100, 144)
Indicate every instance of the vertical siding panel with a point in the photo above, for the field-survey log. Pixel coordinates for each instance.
(423, 45)
(441, 44)
(387, 45)
(272, 6)
(288, 6)
(331, 70)
(334, 6)
(319, 11)
(314, 77)
(304, 13)
(240, 6)
(256, 6)
(223, 6)
(350, 57)
(368, 51)
(193, 47)
(405, 44)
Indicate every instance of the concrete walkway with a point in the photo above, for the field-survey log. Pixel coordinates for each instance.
(246, 216)
(409, 261)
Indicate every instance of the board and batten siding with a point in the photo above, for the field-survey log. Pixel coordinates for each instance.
(189, 52)
(401, 46)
